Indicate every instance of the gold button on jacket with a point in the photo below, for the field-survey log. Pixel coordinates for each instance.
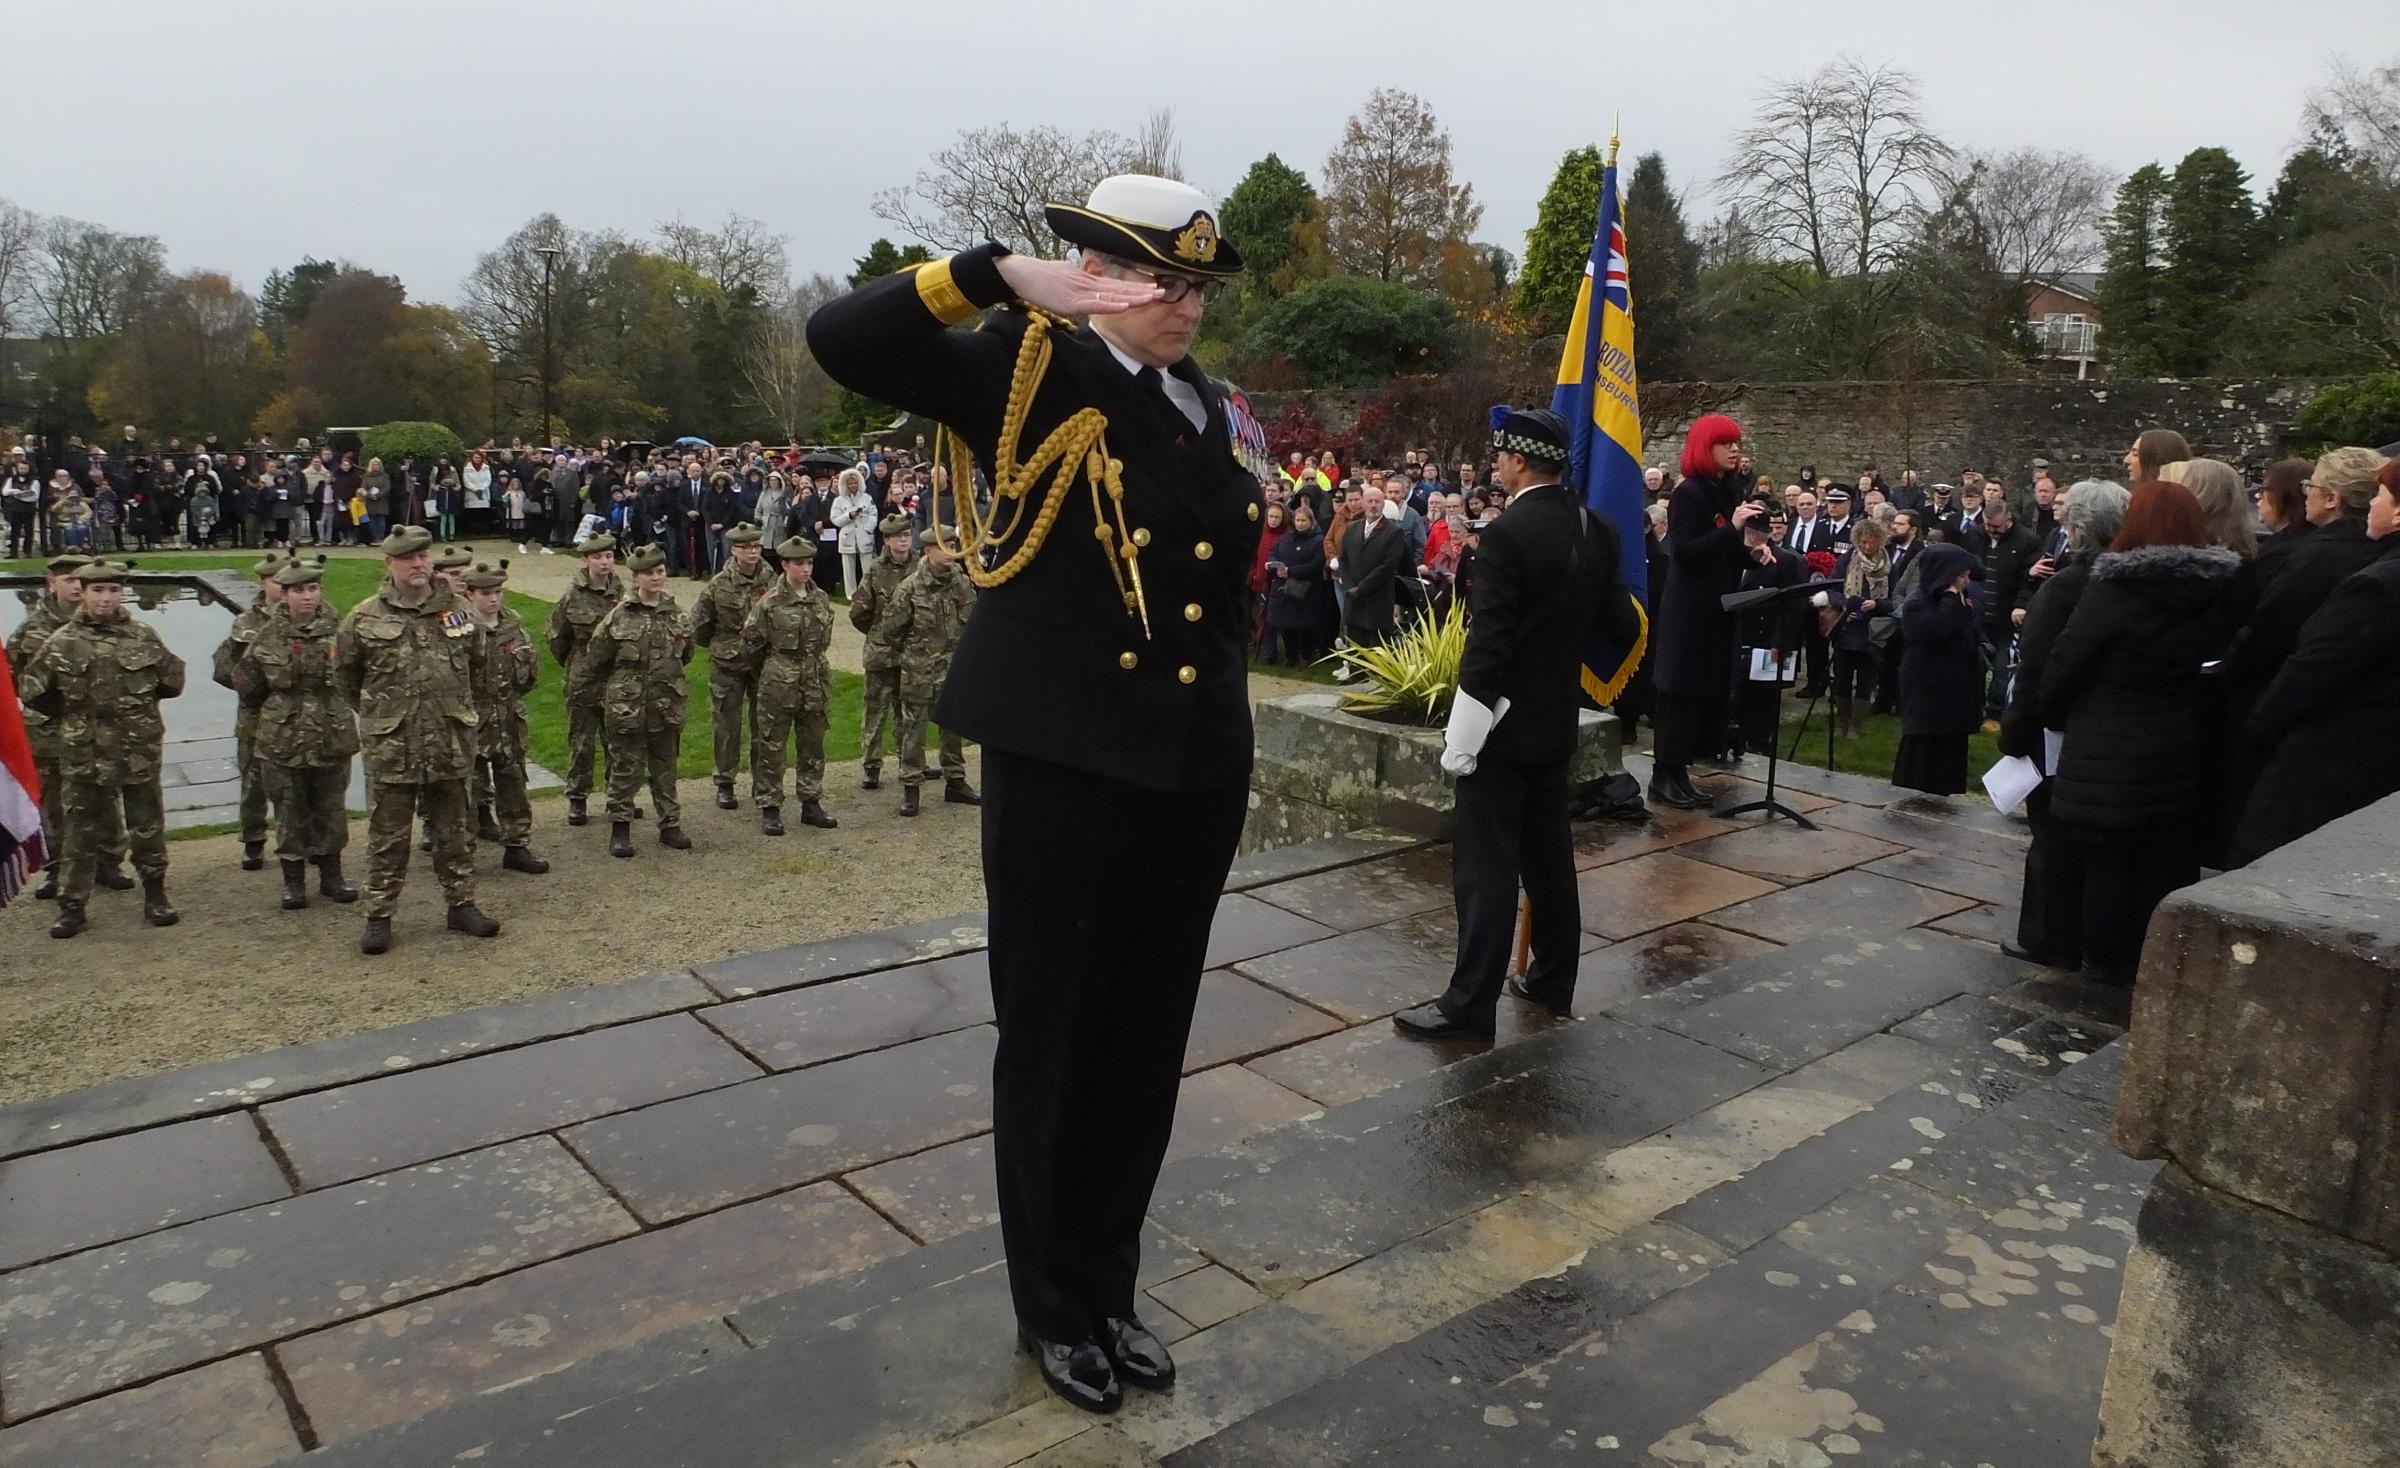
(1204, 550)
(1187, 672)
(1127, 661)
(1191, 612)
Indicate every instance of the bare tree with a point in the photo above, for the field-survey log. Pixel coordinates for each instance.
(89, 281)
(993, 181)
(2361, 108)
(20, 249)
(1779, 178)
(1837, 168)
(2039, 210)
(782, 374)
(1391, 204)
(1157, 149)
(739, 253)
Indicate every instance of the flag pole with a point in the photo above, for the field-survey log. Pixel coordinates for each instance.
(1614, 122)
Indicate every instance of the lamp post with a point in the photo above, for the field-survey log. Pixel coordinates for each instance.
(549, 254)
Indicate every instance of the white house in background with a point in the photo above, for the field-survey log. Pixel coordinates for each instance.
(2065, 323)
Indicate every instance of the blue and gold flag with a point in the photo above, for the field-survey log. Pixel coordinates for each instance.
(1598, 395)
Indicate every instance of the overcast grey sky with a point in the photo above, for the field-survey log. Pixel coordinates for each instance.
(410, 137)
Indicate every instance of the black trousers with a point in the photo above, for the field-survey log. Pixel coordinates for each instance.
(1687, 727)
(1510, 827)
(1101, 897)
(1816, 653)
(2126, 875)
(2050, 909)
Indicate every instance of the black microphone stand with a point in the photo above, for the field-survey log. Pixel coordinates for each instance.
(1766, 598)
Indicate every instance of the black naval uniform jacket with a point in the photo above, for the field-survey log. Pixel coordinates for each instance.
(1052, 665)
(1546, 575)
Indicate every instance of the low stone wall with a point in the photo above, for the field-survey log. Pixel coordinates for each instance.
(2260, 1321)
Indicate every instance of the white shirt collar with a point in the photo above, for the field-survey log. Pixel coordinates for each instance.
(1182, 394)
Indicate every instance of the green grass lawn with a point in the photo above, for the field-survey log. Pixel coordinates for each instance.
(351, 581)
(1877, 744)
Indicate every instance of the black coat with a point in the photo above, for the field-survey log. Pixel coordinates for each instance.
(1547, 574)
(2288, 594)
(2004, 560)
(2122, 682)
(1941, 662)
(1694, 632)
(1303, 554)
(1053, 666)
(2331, 718)
(1371, 567)
(2022, 723)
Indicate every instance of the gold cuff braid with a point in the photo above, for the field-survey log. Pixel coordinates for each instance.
(941, 294)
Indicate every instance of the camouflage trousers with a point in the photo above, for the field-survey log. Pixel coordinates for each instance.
(54, 808)
(500, 783)
(311, 817)
(634, 753)
(391, 809)
(914, 716)
(728, 689)
(255, 788)
(100, 819)
(776, 728)
(583, 740)
(883, 713)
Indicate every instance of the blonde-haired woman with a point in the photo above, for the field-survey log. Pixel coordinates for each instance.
(854, 513)
(2223, 498)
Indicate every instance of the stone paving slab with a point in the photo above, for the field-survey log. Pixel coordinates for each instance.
(94, 1321)
(1993, 923)
(400, 1364)
(1246, 927)
(97, 1192)
(939, 1193)
(1597, 843)
(839, 958)
(1219, 1107)
(1803, 1178)
(1374, 1057)
(702, 1152)
(1238, 1018)
(1787, 853)
(1659, 965)
(226, 1415)
(1358, 976)
(374, 1126)
(1999, 849)
(1374, 892)
(867, 1012)
(1945, 873)
(1282, 863)
(1816, 997)
(1852, 902)
(1648, 892)
(1727, 791)
(206, 1090)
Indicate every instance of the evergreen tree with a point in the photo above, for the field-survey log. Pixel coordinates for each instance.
(882, 258)
(1662, 263)
(2212, 256)
(1560, 243)
(1262, 217)
(2132, 304)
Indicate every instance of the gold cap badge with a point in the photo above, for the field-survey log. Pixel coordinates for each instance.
(1198, 240)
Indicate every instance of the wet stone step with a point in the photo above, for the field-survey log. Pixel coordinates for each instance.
(1851, 902)
(1784, 851)
(1819, 996)
(867, 1012)
(839, 958)
(2002, 851)
(1358, 976)
(97, 1192)
(374, 1126)
(1238, 1018)
(1954, 874)
(225, 1415)
(1374, 892)
(85, 1324)
(1245, 927)
(1629, 897)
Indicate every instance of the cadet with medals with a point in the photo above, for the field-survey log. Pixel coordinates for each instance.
(1105, 675)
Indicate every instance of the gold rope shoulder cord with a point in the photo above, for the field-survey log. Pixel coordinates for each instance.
(1077, 446)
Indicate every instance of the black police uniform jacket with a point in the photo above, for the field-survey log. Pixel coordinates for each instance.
(1052, 665)
(1546, 575)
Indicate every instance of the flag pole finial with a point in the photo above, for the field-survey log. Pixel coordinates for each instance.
(1615, 121)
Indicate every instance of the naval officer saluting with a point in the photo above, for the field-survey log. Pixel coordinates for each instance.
(1104, 674)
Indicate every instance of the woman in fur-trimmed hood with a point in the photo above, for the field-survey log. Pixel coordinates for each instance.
(2123, 683)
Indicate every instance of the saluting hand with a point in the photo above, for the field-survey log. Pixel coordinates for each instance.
(1066, 289)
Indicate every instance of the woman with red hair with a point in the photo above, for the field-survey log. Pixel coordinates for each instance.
(1692, 668)
(2123, 682)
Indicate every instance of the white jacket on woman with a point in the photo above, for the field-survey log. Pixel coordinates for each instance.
(854, 516)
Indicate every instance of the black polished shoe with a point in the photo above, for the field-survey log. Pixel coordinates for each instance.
(812, 813)
(1669, 791)
(871, 779)
(959, 792)
(770, 820)
(1432, 1022)
(1559, 1008)
(672, 838)
(1078, 1373)
(522, 859)
(1139, 1356)
(467, 918)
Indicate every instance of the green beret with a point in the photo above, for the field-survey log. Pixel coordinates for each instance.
(300, 573)
(744, 534)
(70, 564)
(940, 535)
(103, 573)
(601, 544)
(265, 570)
(451, 558)
(798, 548)
(646, 558)
(897, 525)
(407, 540)
(487, 577)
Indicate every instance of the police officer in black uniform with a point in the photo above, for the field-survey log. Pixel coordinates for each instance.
(1546, 576)
(1104, 674)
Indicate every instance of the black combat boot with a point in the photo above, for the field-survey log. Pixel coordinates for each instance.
(770, 820)
(725, 800)
(49, 887)
(620, 838)
(425, 840)
(871, 778)
(378, 937)
(295, 885)
(331, 883)
(467, 918)
(114, 877)
(908, 800)
(812, 813)
(575, 811)
(522, 859)
(254, 855)
(672, 838)
(155, 908)
(959, 792)
(70, 920)
(486, 829)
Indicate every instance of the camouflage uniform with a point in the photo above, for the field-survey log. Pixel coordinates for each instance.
(570, 631)
(411, 671)
(43, 616)
(636, 667)
(245, 718)
(717, 622)
(305, 732)
(100, 682)
(922, 623)
(787, 634)
(509, 668)
(882, 660)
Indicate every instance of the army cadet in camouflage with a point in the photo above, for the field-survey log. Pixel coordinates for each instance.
(882, 661)
(594, 595)
(450, 565)
(786, 635)
(245, 716)
(635, 668)
(61, 596)
(407, 657)
(717, 624)
(305, 732)
(921, 623)
(509, 668)
(100, 679)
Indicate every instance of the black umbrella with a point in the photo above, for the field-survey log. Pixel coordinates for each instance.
(825, 461)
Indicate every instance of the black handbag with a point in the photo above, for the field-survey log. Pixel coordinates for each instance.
(1298, 588)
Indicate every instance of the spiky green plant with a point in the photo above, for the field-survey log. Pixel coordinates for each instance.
(1415, 674)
